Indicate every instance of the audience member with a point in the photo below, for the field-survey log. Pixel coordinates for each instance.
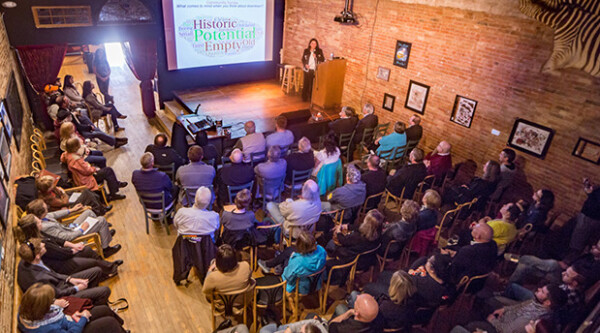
(401, 231)
(163, 154)
(197, 220)
(238, 224)
(82, 284)
(194, 174)
(71, 91)
(56, 197)
(432, 280)
(479, 187)
(587, 229)
(328, 166)
(429, 214)
(304, 211)
(397, 307)
(439, 161)
(39, 312)
(393, 140)
(364, 317)
(374, 178)
(234, 174)
(87, 220)
(101, 69)
(307, 258)
(537, 212)
(301, 160)
(409, 176)
(504, 229)
(351, 195)
(414, 131)
(86, 175)
(251, 143)
(302, 326)
(476, 258)
(226, 274)
(271, 174)
(96, 157)
(507, 172)
(97, 109)
(346, 123)
(150, 180)
(282, 137)
(368, 121)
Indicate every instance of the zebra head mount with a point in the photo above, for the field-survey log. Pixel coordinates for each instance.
(576, 25)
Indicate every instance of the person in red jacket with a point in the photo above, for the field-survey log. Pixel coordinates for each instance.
(439, 161)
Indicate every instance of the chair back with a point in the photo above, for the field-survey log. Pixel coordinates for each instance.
(314, 279)
(426, 184)
(368, 253)
(190, 195)
(384, 259)
(387, 154)
(367, 135)
(292, 231)
(449, 217)
(258, 157)
(380, 130)
(169, 169)
(228, 300)
(268, 295)
(397, 200)
(370, 202)
(284, 150)
(349, 280)
(344, 142)
(233, 190)
(210, 162)
(147, 198)
(298, 178)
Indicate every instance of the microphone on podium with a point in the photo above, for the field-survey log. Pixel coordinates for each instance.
(197, 108)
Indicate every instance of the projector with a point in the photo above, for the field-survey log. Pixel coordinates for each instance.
(347, 16)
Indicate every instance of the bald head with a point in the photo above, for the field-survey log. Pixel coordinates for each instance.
(236, 156)
(365, 308)
(444, 147)
(250, 127)
(482, 232)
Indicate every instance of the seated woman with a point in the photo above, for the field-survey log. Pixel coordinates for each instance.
(393, 140)
(505, 230)
(397, 306)
(328, 166)
(430, 212)
(63, 256)
(400, 231)
(86, 175)
(98, 109)
(239, 224)
(431, 281)
(197, 220)
(537, 212)
(71, 91)
(68, 131)
(56, 198)
(87, 220)
(226, 274)
(40, 312)
(479, 187)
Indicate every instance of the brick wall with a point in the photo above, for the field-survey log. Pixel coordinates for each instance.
(493, 59)
(21, 164)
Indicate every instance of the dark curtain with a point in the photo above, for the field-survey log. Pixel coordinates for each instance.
(141, 58)
(41, 64)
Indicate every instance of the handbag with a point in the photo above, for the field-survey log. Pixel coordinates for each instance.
(77, 304)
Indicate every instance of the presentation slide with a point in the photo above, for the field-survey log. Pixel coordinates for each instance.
(201, 33)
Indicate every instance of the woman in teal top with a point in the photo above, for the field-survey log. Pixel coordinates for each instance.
(396, 139)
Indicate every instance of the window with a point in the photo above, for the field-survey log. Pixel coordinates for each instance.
(62, 16)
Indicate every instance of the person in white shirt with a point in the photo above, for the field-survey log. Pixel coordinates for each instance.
(301, 212)
(197, 220)
(251, 143)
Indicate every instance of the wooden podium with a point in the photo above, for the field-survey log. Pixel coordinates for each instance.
(329, 84)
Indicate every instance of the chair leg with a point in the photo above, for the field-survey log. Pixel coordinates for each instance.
(147, 226)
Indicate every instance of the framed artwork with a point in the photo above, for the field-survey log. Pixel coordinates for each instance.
(383, 73)
(416, 99)
(14, 109)
(463, 111)
(388, 102)
(587, 150)
(530, 138)
(4, 205)
(402, 54)
(5, 154)
(5, 120)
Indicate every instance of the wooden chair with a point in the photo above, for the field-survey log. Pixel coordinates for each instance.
(383, 260)
(428, 180)
(372, 266)
(380, 130)
(279, 241)
(258, 157)
(298, 179)
(267, 294)
(405, 256)
(315, 279)
(363, 145)
(161, 214)
(233, 190)
(349, 281)
(169, 169)
(274, 183)
(375, 198)
(397, 200)
(397, 157)
(344, 143)
(292, 230)
(465, 296)
(449, 217)
(228, 301)
(386, 157)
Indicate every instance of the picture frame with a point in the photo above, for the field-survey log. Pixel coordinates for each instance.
(14, 109)
(587, 150)
(383, 73)
(530, 138)
(388, 102)
(463, 111)
(402, 54)
(5, 154)
(416, 97)
(4, 205)
(6, 123)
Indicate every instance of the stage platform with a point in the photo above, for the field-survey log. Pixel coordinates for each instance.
(260, 101)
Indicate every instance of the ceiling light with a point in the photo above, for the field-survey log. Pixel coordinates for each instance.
(9, 4)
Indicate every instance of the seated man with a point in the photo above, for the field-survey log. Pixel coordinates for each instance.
(363, 318)
(393, 140)
(197, 220)
(87, 220)
(194, 174)
(150, 180)
(352, 194)
(82, 284)
(234, 174)
(507, 172)
(514, 318)
(304, 211)
(84, 125)
(374, 177)
(281, 137)
(369, 120)
(477, 258)
(301, 160)
(346, 123)
(439, 161)
(271, 172)
(251, 143)
(504, 228)
(414, 131)
(409, 176)
(163, 154)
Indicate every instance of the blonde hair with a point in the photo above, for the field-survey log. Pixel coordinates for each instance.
(432, 199)
(401, 287)
(410, 211)
(73, 145)
(44, 183)
(66, 130)
(36, 301)
(372, 224)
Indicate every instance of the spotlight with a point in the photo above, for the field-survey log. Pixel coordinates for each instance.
(347, 16)
(9, 4)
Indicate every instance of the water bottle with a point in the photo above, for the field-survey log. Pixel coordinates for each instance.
(331, 55)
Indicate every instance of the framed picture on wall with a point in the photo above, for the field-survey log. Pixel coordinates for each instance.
(4, 205)
(388, 102)
(530, 138)
(402, 54)
(463, 111)
(14, 109)
(383, 73)
(5, 154)
(5, 120)
(587, 150)
(416, 99)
